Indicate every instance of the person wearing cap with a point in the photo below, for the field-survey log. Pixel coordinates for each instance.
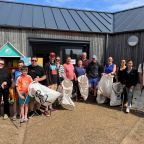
(84, 59)
(94, 71)
(52, 74)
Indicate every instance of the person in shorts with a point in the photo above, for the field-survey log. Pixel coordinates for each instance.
(22, 84)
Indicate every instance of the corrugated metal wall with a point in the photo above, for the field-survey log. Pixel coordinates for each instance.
(118, 47)
(19, 38)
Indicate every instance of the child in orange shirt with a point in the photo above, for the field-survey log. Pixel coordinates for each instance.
(22, 84)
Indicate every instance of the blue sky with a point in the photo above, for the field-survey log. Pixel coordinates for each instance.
(98, 5)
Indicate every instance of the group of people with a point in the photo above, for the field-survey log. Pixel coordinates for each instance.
(52, 75)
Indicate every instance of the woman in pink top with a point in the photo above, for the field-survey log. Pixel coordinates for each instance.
(70, 74)
(69, 69)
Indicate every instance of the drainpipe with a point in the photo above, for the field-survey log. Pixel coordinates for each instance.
(106, 48)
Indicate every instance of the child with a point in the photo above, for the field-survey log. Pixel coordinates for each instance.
(22, 84)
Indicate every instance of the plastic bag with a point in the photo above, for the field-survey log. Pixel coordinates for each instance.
(105, 86)
(83, 86)
(138, 99)
(100, 99)
(115, 98)
(42, 94)
(65, 100)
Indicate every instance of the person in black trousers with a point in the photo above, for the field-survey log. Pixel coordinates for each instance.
(5, 83)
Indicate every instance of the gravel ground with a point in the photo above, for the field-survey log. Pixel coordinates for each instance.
(87, 124)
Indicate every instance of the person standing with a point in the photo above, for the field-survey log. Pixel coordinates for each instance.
(84, 59)
(5, 83)
(15, 74)
(94, 71)
(131, 79)
(22, 84)
(141, 75)
(38, 75)
(51, 70)
(79, 71)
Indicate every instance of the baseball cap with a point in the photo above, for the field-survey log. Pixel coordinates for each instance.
(94, 57)
(52, 54)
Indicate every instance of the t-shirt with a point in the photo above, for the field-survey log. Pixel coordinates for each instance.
(23, 82)
(36, 71)
(69, 71)
(140, 71)
(16, 74)
(79, 71)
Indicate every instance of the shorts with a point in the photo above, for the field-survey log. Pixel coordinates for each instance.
(24, 101)
(93, 82)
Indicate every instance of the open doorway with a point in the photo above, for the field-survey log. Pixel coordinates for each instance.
(42, 48)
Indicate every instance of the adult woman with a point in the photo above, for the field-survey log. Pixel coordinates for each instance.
(110, 67)
(79, 71)
(5, 82)
(121, 78)
(131, 79)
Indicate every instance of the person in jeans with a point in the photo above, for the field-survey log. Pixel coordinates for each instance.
(131, 79)
(94, 71)
(5, 83)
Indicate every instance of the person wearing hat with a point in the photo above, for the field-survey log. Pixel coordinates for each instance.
(52, 74)
(94, 71)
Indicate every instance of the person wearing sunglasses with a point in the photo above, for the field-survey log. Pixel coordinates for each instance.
(5, 83)
(38, 75)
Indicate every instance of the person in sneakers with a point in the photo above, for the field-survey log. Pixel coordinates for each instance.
(38, 75)
(22, 84)
(131, 79)
(15, 74)
(5, 83)
(94, 71)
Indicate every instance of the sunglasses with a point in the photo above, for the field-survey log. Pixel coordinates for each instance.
(34, 60)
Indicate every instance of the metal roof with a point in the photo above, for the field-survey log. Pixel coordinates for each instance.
(23, 15)
(129, 20)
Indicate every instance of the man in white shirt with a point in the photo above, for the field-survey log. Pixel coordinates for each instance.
(141, 74)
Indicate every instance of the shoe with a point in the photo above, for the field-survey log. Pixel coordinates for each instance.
(46, 113)
(14, 118)
(25, 119)
(21, 120)
(5, 116)
(128, 109)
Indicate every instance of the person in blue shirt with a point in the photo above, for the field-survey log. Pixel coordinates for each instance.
(79, 71)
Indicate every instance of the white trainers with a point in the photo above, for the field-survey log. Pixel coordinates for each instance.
(5, 116)
(128, 109)
(21, 120)
(25, 119)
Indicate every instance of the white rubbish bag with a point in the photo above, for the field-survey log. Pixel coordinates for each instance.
(83, 86)
(100, 99)
(105, 86)
(138, 99)
(115, 98)
(42, 94)
(65, 100)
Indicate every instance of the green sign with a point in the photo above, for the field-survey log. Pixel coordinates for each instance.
(8, 50)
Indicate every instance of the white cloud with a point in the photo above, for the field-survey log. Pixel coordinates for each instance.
(122, 5)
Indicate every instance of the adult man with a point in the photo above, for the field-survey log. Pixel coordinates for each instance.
(84, 60)
(94, 71)
(52, 74)
(38, 75)
(5, 83)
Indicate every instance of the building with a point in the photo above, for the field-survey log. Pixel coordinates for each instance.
(38, 30)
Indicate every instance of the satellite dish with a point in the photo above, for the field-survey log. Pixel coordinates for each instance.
(133, 40)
